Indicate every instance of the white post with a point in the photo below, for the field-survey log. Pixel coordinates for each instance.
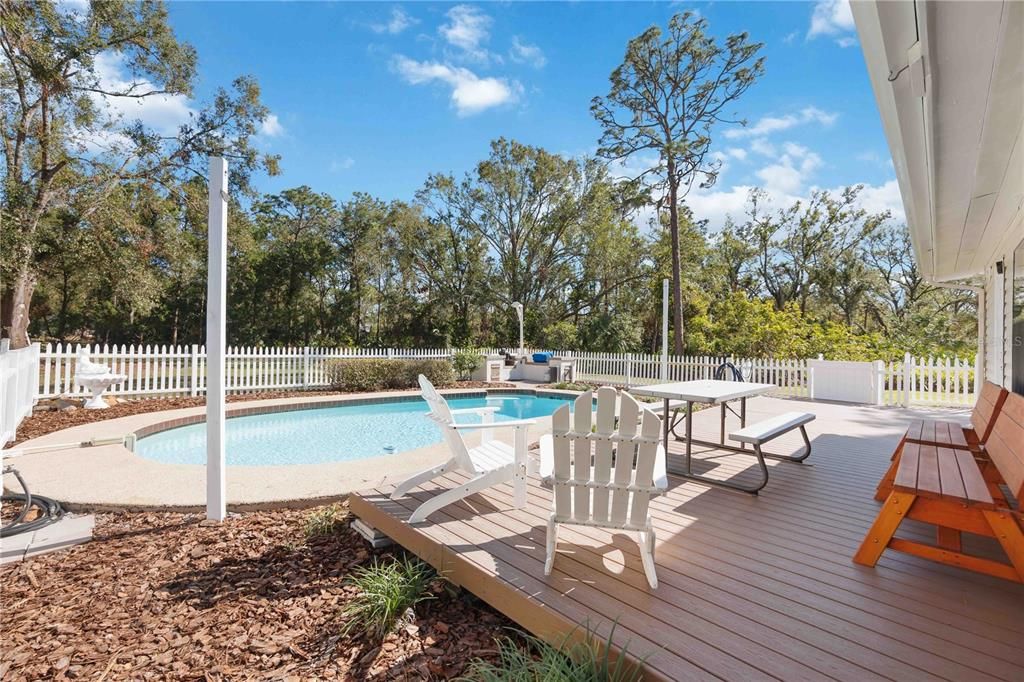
(908, 377)
(519, 313)
(664, 329)
(216, 327)
(193, 385)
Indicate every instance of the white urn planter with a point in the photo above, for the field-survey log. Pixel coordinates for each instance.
(96, 378)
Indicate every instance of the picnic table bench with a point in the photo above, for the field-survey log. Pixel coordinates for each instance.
(957, 492)
(949, 434)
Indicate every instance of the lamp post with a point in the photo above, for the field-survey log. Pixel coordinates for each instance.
(519, 311)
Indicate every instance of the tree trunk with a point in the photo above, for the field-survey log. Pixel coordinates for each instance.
(14, 311)
(677, 275)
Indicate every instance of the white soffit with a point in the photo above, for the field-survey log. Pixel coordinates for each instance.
(958, 150)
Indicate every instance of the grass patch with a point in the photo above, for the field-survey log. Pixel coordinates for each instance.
(387, 591)
(585, 661)
(325, 521)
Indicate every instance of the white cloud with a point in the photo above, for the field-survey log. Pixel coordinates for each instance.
(162, 112)
(271, 126)
(737, 153)
(763, 147)
(833, 18)
(528, 54)
(771, 124)
(470, 94)
(790, 37)
(884, 197)
(396, 23)
(467, 29)
(790, 173)
(338, 165)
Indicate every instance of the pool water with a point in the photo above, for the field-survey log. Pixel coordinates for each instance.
(331, 434)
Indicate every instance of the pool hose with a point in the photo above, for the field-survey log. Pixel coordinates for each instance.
(50, 510)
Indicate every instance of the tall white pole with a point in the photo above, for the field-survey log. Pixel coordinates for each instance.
(519, 312)
(216, 327)
(664, 330)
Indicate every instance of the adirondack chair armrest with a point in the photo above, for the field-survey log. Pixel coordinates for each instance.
(660, 473)
(475, 410)
(518, 423)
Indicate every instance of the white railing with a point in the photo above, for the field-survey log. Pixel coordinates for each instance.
(19, 371)
(181, 370)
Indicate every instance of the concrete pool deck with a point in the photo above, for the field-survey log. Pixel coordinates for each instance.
(106, 477)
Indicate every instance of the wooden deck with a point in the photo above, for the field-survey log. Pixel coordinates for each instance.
(750, 587)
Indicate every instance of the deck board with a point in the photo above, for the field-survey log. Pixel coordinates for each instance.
(750, 587)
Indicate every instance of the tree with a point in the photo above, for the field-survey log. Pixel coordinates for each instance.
(665, 98)
(800, 248)
(66, 147)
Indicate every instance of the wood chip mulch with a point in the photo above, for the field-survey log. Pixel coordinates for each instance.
(164, 596)
(44, 422)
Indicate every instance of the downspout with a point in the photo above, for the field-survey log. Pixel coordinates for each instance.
(980, 362)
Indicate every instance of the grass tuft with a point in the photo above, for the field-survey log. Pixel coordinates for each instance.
(584, 661)
(325, 521)
(387, 590)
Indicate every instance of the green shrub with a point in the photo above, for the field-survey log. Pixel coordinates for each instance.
(573, 386)
(382, 374)
(585, 661)
(325, 521)
(466, 362)
(387, 590)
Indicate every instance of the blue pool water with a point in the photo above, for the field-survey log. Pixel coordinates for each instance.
(331, 434)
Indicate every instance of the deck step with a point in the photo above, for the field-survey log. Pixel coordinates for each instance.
(371, 534)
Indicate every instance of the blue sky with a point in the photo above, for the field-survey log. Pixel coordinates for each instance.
(374, 96)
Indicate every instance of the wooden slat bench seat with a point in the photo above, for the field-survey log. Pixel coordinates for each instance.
(950, 434)
(948, 488)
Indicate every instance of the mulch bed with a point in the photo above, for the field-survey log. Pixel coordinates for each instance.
(44, 422)
(161, 596)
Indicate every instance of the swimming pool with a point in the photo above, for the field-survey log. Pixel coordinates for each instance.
(332, 434)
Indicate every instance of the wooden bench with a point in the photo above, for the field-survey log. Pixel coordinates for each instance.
(769, 429)
(950, 434)
(947, 488)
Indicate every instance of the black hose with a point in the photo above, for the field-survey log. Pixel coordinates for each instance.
(737, 375)
(50, 510)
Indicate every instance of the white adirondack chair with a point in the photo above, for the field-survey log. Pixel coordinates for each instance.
(604, 477)
(490, 463)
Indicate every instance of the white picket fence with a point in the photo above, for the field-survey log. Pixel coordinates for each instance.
(19, 371)
(181, 370)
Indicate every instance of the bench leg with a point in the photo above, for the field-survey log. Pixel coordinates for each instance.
(885, 485)
(794, 458)
(948, 538)
(889, 518)
(1010, 536)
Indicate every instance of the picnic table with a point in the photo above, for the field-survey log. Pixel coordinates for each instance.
(706, 391)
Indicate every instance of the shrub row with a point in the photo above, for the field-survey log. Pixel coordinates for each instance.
(379, 375)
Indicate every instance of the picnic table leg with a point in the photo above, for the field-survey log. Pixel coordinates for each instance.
(689, 434)
(721, 435)
(668, 420)
(743, 418)
(889, 517)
